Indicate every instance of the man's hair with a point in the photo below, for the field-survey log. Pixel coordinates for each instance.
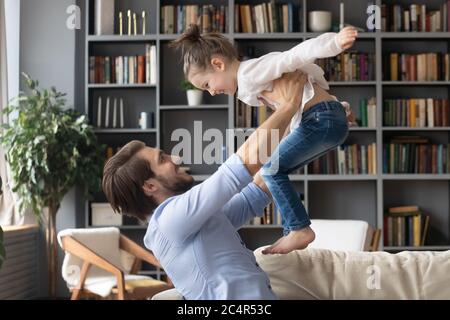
(197, 50)
(123, 180)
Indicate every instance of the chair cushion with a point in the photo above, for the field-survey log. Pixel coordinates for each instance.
(346, 235)
(326, 274)
(105, 243)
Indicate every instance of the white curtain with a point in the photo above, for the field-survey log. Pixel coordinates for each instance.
(9, 213)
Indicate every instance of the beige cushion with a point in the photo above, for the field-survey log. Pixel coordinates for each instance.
(325, 274)
(171, 294)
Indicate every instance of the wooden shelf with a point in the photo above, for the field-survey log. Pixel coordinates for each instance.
(351, 83)
(421, 248)
(119, 86)
(262, 226)
(416, 83)
(269, 36)
(415, 129)
(124, 38)
(341, 177)
(127, 130)
(415, 35)
(415, 176)
(201, 107)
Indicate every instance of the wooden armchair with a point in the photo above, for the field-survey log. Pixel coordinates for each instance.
(126, 288)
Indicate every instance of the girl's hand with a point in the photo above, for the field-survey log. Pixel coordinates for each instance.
(287, 90)
(346, 37)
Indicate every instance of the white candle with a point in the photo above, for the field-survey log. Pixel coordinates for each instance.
(107, 113)
(115, 113)
(121, 113)
(341, 24)
(99, 112)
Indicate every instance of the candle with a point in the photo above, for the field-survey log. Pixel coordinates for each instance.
(341, 24)
(129, 22)
(99, 112)
(115, 113)
(121, 113)
(143, 23)
(107, 113)
(120, 23)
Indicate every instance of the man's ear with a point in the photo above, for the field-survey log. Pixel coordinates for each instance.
(149, 187)
(218, 64)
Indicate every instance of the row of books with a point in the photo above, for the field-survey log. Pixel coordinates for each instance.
(405, 226)
(415, 17)
(367, 113)
(347, 159)
(416, 67)
(124, 69)
(413, 154)
(349, 66)
(266, 17)
(418, 113)
(250, 117)
(177, 18)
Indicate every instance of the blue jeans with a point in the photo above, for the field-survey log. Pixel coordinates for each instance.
(323, 127)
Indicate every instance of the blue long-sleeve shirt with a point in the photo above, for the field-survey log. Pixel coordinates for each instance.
(194, 237)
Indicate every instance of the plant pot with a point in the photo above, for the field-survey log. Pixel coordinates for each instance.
(194, 97)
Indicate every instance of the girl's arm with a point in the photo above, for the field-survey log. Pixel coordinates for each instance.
(271, 66)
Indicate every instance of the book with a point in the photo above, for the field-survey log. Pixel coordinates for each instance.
(426, 223)
(403, 209)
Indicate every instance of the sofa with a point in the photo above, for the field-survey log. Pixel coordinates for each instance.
(335, 266)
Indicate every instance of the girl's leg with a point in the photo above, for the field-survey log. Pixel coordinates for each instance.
(323, 127)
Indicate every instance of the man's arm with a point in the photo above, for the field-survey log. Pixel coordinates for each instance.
(249, 203)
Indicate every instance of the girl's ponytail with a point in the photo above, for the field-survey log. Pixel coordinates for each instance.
(197, 49)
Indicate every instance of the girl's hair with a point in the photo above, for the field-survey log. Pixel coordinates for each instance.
(198, 49)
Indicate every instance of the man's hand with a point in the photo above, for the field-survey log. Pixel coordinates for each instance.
(287, 90)
(346, 37)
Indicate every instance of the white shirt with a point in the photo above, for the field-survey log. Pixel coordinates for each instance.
(256, 75)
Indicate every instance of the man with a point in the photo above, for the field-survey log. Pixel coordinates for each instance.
(193, 231)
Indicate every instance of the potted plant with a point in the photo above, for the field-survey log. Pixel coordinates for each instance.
(50, 149)
(194, 95)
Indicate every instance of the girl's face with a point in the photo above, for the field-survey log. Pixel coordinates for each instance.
(219, 79)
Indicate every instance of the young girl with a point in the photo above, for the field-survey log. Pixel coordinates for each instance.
(211, 63)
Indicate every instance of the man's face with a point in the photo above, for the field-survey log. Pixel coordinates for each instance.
(167, 173)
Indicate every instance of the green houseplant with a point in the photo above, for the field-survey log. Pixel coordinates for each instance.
(194, 95)
(49, 149)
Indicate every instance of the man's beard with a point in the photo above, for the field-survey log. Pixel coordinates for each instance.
(178, 186)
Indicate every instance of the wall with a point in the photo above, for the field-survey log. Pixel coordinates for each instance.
(48, 53)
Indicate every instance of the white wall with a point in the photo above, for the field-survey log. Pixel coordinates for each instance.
(12, 8)
(48, 54)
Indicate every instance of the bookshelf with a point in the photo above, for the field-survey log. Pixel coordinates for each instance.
(326, 196)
